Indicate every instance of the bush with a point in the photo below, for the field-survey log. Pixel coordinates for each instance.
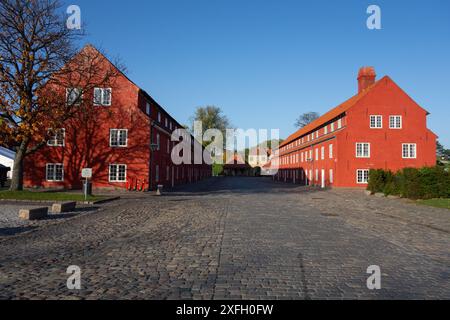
(424, 183)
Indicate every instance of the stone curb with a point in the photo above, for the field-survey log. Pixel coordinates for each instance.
(55, 201)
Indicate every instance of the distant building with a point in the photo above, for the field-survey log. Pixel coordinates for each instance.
(258, 156)
(236, 166)
(7, 160)
(380, 127)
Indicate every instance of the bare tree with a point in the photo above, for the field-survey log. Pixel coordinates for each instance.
(38, 63)
(306, 119)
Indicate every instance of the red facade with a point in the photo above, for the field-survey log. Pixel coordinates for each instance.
(379, 128)
(114, 140)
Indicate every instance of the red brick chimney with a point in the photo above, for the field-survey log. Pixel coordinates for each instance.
(366, 78)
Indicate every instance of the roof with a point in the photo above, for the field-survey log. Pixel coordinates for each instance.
(330, 115)
(7, 153)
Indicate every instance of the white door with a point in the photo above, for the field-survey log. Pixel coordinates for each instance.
(323, 178)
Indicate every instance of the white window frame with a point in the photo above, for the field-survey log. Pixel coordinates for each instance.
(332, 127)
(322, 153)
(118, 138)
(102, 99)
(53, 142)
(54, 172)
(395, 118)
(362, 171)
(117, 165)
(317, 154)
(409, 145)
(330, 151)
(68, 91)
(331, 176)
(363, 144)
(339, 124)
(325, 130)
(376, 117)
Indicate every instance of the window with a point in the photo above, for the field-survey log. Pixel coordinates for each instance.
(317, 174)
(339, 123)
(376, 122)
(102, 96)
(409, 151)
(317, 154)
(331, 175)
(363, 150)
(118, 137)
(302, 157)
(73, 96)
(159, 117)
(168, 145)
(57, 139)
(158, 140)
(330, 147)
(322, 153)
(332, 127)
(310, 155)
(157, 173)
(317, 134)
(147, 108)
(166, 123)
(362, 176)
(325, 130)
(117, 173)
(54, 172)
(395, 122)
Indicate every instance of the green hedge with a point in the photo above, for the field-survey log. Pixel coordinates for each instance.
(424, 183)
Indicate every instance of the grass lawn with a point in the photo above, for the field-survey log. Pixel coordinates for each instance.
(438, 203)
(44, 196)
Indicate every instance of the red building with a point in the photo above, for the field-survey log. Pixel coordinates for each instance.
(113, 138)
(380, 127)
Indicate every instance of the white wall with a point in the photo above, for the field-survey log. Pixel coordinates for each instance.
(7, 162)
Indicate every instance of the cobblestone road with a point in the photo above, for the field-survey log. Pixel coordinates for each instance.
(236, 238)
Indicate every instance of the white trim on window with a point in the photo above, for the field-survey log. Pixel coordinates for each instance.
(362, 176)
(102, 97)
(330, 149)
(117, 137)
(363, 150)
(70, 92)
(376, 121)
(395, 122)
(55, 141)
(409, 151)
(52, 176)
(119, 175)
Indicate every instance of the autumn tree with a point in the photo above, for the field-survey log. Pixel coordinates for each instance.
(42, 76)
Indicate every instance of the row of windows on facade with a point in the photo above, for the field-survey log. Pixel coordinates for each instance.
(117, 172)
(362, 175)
(314, 135)
(376, 122)
(103, 97)
(117, 138)
(409, 151)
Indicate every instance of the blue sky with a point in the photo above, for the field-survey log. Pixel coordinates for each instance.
(266, 62)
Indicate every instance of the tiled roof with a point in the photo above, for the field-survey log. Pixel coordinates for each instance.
(330, 115)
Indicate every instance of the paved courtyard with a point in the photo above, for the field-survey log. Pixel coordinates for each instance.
(236, 238)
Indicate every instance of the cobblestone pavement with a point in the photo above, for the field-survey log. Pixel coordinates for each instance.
(236, 238)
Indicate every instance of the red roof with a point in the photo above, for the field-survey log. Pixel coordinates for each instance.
(330, 115)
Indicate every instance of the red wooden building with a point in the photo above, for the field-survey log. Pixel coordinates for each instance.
(380, 127)
(115, 142)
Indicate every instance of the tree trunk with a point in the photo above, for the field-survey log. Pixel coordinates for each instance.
(17, 175)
